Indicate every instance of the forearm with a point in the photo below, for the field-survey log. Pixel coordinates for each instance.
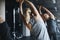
(46, 10)
(36, 14)
(49, 13)
(21, 9)
(40, 9)
(33, 8)
(23, 18)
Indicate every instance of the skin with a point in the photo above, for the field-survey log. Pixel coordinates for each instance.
(19, 1)
(1, 20)
(35, 12)
(49, 13)
(33, 9)
(27, 16)
(46, 15)
(23, 17)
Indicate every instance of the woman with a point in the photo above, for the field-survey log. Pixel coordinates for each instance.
(51, 24)
(38, 29)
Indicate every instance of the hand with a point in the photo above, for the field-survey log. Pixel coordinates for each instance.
(40, 9)
(1, 20)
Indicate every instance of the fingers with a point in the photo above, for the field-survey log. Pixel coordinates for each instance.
(24, 20)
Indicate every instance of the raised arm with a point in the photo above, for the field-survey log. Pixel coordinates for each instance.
(37, 16)
(21, 3)
(33, 8)
(49, 13)
(40, 9)
(22, 16)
